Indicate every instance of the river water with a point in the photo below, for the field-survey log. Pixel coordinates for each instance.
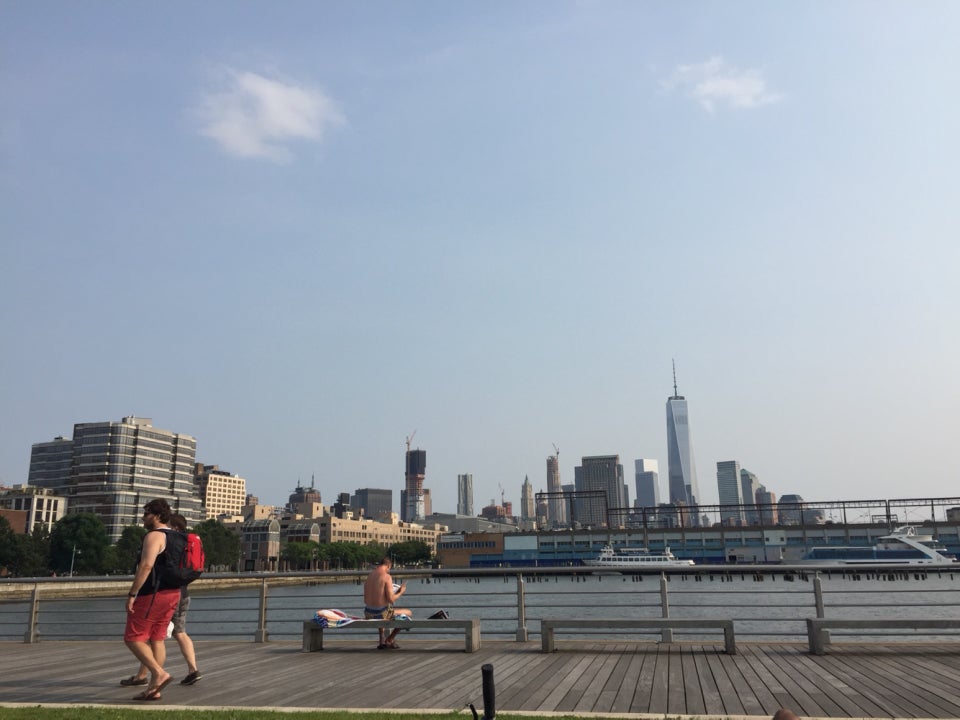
(766, 607)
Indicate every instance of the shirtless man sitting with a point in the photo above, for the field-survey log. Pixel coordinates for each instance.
(378, 599)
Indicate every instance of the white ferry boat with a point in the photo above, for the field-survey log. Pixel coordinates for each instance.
(642, 559)
(904, 546)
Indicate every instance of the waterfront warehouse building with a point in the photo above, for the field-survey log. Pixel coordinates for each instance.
(116, 468)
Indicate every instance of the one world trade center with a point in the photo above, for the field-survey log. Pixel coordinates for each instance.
(681, 471)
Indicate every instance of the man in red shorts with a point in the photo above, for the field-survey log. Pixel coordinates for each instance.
(151, 604)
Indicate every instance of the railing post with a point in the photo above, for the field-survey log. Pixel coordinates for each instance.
(666, 635)
(521, 610)
(261, 636)
(818, 600)
(31, 635)
(818, 594)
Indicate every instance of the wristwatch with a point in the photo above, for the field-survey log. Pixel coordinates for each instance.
(131, 594)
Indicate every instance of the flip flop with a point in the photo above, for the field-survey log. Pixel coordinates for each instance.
(133, 680)
(162, 685)
(148, 695)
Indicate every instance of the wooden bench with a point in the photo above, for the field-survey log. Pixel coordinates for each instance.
(818, 635)
(313, 633)
(548, 627)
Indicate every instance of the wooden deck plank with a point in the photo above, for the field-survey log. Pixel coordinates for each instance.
(624, 698)
(879, 681)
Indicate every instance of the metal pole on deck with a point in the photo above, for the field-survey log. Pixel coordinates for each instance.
(666, 635)
(489, 693)
(30, 636)
(261, 634)
(521, 610)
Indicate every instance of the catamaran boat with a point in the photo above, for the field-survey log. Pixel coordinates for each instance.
(906, 545)
(636, 559)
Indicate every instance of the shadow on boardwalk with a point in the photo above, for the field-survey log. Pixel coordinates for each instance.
(864, 681)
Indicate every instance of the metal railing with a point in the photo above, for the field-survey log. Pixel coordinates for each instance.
(765, 604)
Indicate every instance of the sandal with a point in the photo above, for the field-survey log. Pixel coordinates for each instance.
(133, 680)
(148, 695)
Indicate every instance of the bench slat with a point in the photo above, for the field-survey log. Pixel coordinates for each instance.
(817, 639)
(313, 633)
(549, 625)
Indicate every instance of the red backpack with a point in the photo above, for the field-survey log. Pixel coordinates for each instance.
(193, 558)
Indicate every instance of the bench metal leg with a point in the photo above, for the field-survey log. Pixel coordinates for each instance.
(546, 638)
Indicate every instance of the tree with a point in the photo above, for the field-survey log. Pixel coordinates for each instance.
(33, 553)
(411, 552)
(127, 550)
(8, 544)
(221, 544)
(84, 533)
(300, 555)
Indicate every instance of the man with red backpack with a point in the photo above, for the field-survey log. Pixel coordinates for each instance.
(152, 600)
(178, 523)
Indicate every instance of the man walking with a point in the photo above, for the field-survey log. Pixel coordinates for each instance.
(151, 602)
(178, 523)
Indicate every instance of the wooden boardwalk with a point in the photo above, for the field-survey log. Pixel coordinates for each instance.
(863, 681)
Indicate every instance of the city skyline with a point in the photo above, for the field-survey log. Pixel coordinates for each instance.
(297, 233)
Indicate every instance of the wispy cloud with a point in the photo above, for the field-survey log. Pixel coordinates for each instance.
(253, 116)
(715, 84)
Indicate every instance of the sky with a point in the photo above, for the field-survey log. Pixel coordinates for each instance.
(301, 231)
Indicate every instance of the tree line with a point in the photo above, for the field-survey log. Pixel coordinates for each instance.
(80, 544)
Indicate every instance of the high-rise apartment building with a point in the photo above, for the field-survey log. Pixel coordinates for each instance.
(527, 511)
(681, 471)
(603, 473)
(116, 468)
(416, 472)
(220, 492)
(375, 503)
(465, 494)
(557, 508)
(647, 478)
(730, 492)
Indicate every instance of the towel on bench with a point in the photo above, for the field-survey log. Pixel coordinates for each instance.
(338, 618)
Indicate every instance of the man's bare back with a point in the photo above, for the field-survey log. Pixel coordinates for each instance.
(379, 599)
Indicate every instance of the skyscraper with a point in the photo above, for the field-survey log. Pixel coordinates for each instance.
(730, 492)
(416, 472)
(556, 505)
(647, 478)
(376, 503)
(117, 467)
(604, 473)
(681, 471)
(749, 485)
(527, 511)
(465, 494)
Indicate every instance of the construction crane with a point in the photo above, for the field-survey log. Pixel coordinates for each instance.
(410, 439)
(503, 501)
(556, 450)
